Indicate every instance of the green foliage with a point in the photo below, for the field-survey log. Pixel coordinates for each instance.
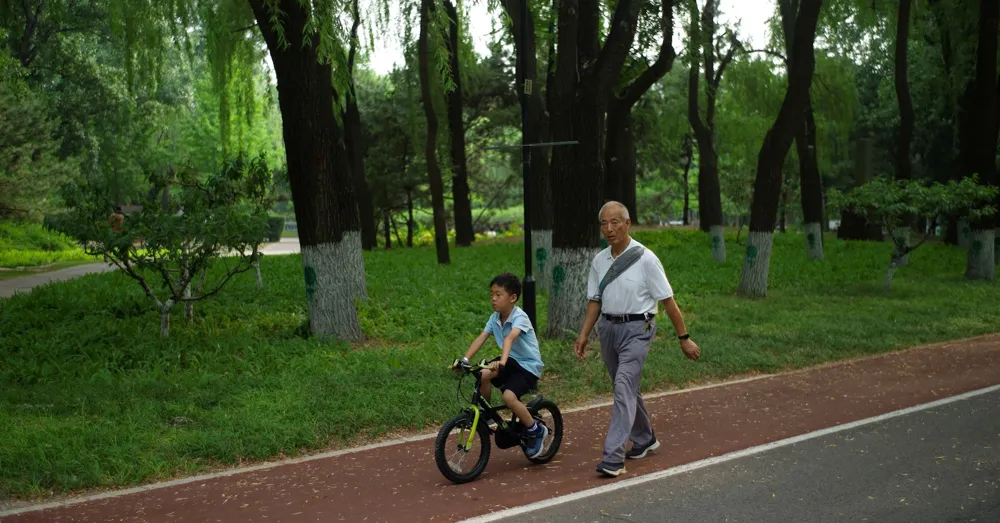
(209, 221)
(30, 164)
(89, 399)
(29, 244)
(892, 202)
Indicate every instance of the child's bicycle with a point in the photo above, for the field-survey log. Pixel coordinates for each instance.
(481, 419)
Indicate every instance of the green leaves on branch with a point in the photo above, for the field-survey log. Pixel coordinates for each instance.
(218, 221)
(891, 202)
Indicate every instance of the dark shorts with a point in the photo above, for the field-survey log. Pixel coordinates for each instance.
(515, 378)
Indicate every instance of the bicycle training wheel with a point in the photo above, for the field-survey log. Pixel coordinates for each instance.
(453, 460)
(548, 414)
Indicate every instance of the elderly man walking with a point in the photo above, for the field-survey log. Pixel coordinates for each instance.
(626, 282)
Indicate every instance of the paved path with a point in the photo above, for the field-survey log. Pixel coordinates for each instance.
(24, 284)
(401, 483)
(931, 466)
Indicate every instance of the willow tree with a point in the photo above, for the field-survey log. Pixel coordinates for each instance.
(585, 74)
(305, 42)
(777, 141)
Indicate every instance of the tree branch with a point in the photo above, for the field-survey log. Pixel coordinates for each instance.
(664, 60)
(734, 45)
(775, 54)
(616, 47)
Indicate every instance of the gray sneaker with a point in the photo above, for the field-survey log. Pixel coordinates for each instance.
(640, 451)
(611, 469)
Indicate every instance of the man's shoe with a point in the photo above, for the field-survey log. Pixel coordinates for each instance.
(537, 440)
(640, 451)
(611, 469)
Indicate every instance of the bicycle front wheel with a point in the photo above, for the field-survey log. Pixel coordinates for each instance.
(458, 463)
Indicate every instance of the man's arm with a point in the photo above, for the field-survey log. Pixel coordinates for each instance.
(689, 347)
(593, 311)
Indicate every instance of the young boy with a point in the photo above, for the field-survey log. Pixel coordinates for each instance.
(520, 364)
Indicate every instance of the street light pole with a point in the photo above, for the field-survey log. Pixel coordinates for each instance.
(528, 288)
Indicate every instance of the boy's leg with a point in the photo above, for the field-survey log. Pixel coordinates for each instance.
(518, 408)
(485, 385)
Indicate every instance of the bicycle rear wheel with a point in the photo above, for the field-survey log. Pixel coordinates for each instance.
(452, 457)
(548, 414)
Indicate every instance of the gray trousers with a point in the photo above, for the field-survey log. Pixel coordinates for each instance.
(624, 347)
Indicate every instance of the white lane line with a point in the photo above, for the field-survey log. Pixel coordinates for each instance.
(638, 480)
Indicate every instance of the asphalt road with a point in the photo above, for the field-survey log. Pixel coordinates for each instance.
(940, 465)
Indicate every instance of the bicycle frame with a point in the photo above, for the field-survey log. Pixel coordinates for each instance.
(481, 408)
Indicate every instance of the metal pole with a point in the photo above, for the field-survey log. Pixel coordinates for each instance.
(528, 288)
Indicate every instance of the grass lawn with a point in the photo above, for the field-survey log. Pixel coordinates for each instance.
(29, 248)
(90, 396)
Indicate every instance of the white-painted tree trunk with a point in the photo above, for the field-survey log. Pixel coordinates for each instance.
(981, 263)
(165, 316)
(900, 239)
(568, 299)
(814, 241)
(332, 274)
(256, 269)
(756, 264)
(541, 243)
(888, 275)
(355, 261)
(718, 243)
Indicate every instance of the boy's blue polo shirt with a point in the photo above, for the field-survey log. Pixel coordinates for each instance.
(524, 350)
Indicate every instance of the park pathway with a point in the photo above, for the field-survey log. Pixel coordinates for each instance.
(23, 284)
(399, 482)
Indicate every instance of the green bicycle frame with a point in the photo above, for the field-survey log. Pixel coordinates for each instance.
(475, 427)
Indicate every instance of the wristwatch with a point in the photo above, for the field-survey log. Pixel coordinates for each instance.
(684, 337)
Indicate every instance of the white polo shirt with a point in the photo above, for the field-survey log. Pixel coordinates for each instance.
(635, 291)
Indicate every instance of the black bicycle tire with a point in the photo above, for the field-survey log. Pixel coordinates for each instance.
(557, 425)
(442, 461)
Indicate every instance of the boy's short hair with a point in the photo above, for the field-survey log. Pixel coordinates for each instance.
(509, 282)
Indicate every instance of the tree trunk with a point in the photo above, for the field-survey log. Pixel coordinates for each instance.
(583, 81)
(388, 233)
(318, 173)
(854, 226)
(805, 144)
(777, 141)
(689, 151)
(165, 316)
(904, 170)
(981, 261)
(356, 147)
(719, 243)
(814, 241)
(620, 160)
(464, 235)
(980, 254)
(395, 230)
(430, 149)
(709, 190)
(619, 184)
(410, 224)
(256, 270)
(537, 130)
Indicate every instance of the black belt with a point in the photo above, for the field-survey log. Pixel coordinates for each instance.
(625, 318)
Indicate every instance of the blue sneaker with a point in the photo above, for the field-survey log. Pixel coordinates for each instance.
(537, 433)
